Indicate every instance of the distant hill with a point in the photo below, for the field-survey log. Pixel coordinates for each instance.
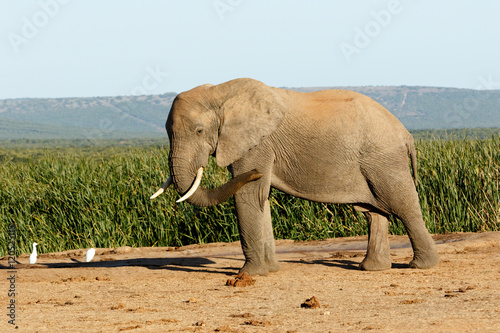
(144, 116)
(85, 118)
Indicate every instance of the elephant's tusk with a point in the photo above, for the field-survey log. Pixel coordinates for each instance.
(193, 188)
(162, 188)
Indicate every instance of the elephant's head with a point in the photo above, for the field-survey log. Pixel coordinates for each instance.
(226, 121)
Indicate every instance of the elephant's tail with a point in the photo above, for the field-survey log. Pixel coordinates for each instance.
(413, 158)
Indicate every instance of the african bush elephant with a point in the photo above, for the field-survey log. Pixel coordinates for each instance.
(332, 146)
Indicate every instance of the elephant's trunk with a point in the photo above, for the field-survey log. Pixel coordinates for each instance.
(193, 188)
(200, 196)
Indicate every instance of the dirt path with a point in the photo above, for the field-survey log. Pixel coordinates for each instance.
(183, 290)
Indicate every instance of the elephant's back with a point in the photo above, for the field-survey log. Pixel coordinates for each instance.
(350, 119)
(344, 107)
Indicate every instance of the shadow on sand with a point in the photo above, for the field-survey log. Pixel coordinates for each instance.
(186, 264)
(340, 263)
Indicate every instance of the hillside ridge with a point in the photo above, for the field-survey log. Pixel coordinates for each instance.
(112, 117)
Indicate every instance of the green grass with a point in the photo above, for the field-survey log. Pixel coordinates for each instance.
(68, 197)
(455, 134)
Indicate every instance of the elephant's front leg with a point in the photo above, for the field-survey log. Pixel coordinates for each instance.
(256, 230)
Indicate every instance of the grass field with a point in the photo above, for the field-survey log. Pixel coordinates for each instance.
(67, 197)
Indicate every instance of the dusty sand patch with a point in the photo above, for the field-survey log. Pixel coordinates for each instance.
(183, 289)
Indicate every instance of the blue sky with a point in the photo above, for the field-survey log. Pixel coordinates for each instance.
(72, 48)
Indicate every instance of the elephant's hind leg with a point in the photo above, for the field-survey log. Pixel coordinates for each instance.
(401, 199)
(424, 248)
(377, 255)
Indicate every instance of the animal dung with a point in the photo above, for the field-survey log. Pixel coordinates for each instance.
(241, 280)
(311, 303)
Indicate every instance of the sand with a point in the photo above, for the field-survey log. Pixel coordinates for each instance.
(184, 289)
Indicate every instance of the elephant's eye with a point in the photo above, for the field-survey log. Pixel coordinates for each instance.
(199, 131)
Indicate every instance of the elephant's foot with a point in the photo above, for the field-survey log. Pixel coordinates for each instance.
(376, 263)
(274, 266)
(259, 268)
(424, 260)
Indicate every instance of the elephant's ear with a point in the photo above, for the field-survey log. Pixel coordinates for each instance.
(251, 112)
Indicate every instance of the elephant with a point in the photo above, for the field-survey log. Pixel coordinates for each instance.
(330, 146)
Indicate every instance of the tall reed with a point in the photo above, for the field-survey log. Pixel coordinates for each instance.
(66, 199)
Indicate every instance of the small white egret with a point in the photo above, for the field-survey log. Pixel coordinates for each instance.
(89, 255)
(33, 254)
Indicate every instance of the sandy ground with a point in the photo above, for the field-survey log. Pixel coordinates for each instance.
(183, 289)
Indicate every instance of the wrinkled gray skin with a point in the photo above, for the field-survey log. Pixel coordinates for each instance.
(332, 146)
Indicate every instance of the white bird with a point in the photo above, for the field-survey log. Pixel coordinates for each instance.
(89, 255)
(33, 254)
